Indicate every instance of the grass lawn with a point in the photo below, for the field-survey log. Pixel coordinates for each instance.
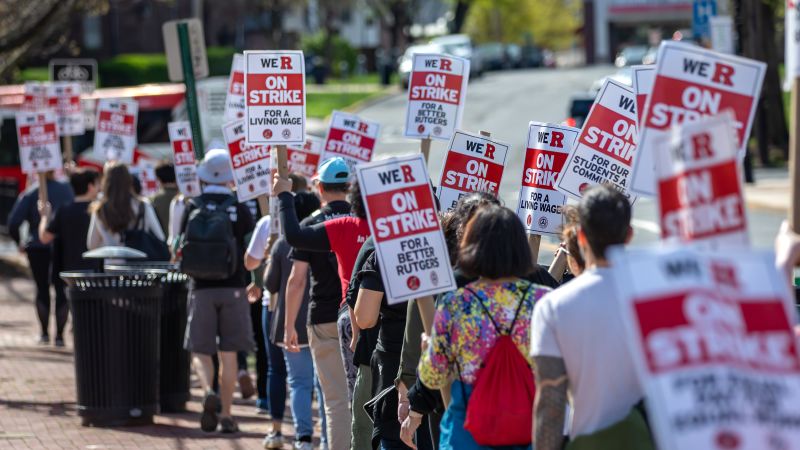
(319, 105)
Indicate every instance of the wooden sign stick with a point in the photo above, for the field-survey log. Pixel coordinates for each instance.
(66, 143)
(42, 187)
(425, 148)
(794, 158)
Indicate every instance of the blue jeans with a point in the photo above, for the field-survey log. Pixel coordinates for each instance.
(300, 367)
(276, 373)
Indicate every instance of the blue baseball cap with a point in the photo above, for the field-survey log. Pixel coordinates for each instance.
(333, 171)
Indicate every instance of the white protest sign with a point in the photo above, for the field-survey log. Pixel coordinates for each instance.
(145, 170)
(692, 82)
(65, 98)
(437, 92)
(115, 130)
(37, 135)
(473, 164)
(35, 96)
(304, 159)
(351, 138)
(712, 341)
(250, 163)
(699, 187)
(180, 135)
(642, 78)
(606, 144)
(539, 204)
(722, 34)
(275, 97)
(234, 101)
(402, 218)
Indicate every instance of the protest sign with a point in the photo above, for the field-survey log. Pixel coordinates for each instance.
(34, 96)
(473, 164)
(606, 144)
(539, 204)
(642, 79)
(234, 101)
(250, 163)
(722, 34)
(402, 218)
(37, 135)
(304, 159)
(791, 43)
(274, 206)
(65, 99)
(275, 100)
(145, 171)
(180, 135)
(351, 138)
(699, 188)
(437, 92)
(115, 131)
(690, 83)
(711, 338)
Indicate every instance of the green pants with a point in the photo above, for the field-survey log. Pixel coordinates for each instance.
(362, 423)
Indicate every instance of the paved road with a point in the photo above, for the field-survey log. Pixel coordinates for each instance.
(503, 103)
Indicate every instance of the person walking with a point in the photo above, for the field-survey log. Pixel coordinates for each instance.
(212, 243)
(470, 321)
(298, 365)
(119, 210)
(40, 255)
(167, 190)
(578, 341)
(67, 228)
(325, 295)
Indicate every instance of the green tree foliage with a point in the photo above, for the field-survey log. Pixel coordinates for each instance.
(549, 23)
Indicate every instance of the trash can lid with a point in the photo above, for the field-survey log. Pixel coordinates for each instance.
(114, 251)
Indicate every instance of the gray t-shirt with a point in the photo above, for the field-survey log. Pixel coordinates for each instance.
(581, 323)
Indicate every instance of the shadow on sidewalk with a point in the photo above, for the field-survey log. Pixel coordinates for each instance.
(56, 408)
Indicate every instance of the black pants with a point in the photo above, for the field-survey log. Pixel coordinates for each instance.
(41, 262)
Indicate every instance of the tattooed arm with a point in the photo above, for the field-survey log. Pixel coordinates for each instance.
(550, 405)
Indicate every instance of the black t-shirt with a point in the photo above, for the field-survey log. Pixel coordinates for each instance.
(243, 224)
(367, 339)
(326, 288)
(392, 317)
(539, 276)
(70, 225)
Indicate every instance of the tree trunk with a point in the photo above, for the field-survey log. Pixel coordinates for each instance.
(459, 16)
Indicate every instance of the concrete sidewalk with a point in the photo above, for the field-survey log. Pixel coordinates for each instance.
(771, 191)
(38, 404)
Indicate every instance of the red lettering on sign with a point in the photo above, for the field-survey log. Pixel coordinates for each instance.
(489, 153)
(286, 63)
(408, 177)
(723, 74)
(402, 212)
(557, 139)
(701, 146)
(446, 64)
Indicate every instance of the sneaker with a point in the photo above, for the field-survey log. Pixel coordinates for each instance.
(209, 419)
(44, 339)
(59, 341)
(228, 425)
(273, 441)
(246, 385)
(298, 445)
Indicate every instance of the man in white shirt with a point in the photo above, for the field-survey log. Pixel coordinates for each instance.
(577, 337)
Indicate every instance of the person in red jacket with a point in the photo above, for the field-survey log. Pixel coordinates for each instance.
(344, 237)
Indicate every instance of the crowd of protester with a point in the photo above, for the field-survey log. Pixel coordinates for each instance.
(309, 303)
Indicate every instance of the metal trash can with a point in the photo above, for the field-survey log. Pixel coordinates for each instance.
(116, 322)
(174, 382)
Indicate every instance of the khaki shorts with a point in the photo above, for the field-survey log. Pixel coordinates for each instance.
(219, 320)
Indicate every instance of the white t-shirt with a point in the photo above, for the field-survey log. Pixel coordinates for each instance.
(580, 322)
(259, 241)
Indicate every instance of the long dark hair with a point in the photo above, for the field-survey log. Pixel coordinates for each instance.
(114, 207)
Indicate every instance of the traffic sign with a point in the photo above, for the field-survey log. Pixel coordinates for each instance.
(83, 71)
(173, 49)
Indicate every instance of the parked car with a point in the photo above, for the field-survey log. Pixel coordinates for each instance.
(461, 45)
(405, 63)
(650, 56)
(579, 106)
(494, 56)
(630, 56)
(623, 75)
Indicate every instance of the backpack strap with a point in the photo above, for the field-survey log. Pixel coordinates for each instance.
(516, 313)
(139, 224)
(519, 307)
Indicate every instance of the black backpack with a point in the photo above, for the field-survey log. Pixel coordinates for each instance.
(145, 241)
(208, 245)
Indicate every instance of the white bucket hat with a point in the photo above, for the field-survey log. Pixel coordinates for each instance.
(215, 168)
